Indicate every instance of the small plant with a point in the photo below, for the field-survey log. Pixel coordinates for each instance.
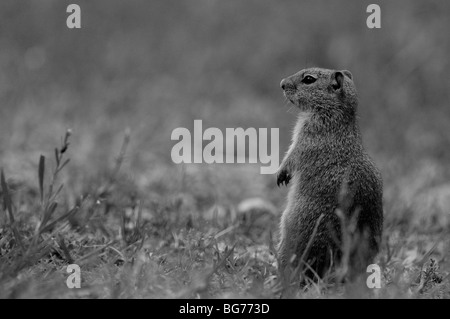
(33, 247)
(49, 200)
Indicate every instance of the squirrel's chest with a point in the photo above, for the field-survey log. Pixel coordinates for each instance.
(321, 172)
(297, 134)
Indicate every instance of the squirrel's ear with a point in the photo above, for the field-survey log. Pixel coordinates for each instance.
(337, 80)
(348, 74)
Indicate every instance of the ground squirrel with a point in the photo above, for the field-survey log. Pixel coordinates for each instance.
(330, 172)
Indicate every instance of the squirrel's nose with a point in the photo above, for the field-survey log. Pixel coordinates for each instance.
(286, 83)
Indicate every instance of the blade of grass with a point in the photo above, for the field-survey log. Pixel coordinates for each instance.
(6, 198)
(57, 156)
(53, 197)
(8, 205)
(64, 248)
(63, 164)
(95, 252)
(48, 213)
(62, 217)
(41, 176)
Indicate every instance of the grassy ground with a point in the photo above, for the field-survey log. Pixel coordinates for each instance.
(140, 226)
(161, 243)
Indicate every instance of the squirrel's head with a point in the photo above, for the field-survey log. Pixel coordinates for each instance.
(322, 90)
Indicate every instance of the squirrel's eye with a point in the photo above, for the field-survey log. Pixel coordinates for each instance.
(308, 79)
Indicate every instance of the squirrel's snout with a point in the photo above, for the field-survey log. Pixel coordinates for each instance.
(287, 84)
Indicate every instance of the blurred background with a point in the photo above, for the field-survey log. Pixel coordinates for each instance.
(153, 66)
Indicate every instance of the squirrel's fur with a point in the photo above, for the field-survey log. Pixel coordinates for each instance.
(330, 172)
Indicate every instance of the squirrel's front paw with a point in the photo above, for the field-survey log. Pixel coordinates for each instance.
(283, 176)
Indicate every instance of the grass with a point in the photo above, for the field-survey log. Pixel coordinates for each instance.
(131, 246)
